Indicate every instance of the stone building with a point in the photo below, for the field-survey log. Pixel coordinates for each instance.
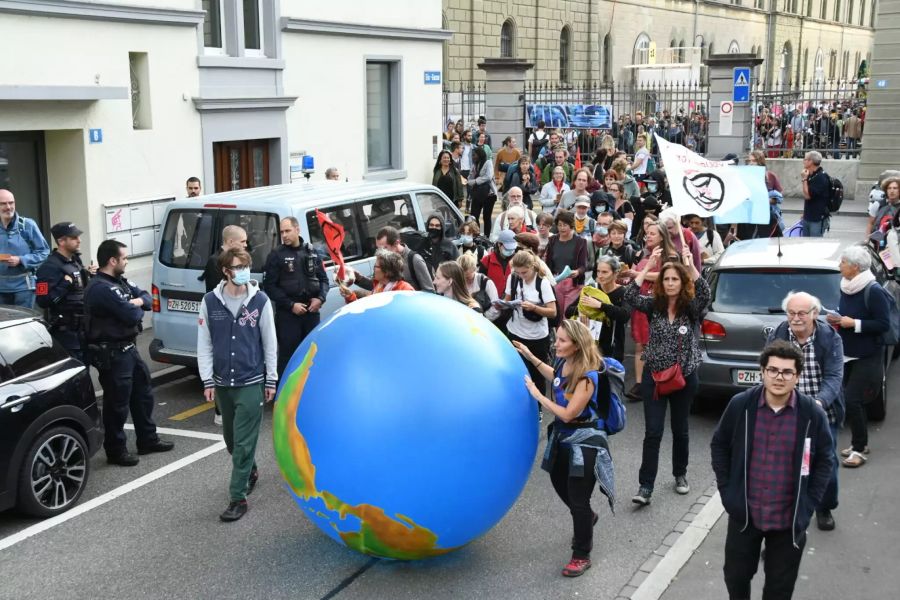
(598, 41)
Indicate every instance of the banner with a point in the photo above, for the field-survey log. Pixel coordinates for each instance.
(700, 186)
(569, 116)
(754, 209)
(334, 240)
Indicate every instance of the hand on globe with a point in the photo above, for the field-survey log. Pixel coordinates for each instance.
(533, 389)
(524, 351)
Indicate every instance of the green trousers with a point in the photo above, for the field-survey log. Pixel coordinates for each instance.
(242, 409)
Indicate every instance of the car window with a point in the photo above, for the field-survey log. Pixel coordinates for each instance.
(262, 233)
(344, 216)
(187, 239)
(761, 291)
(394, 211)
(430, 202)
(29, 347)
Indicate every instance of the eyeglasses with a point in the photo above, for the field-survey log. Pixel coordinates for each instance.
(786, 374)
(799, 313)
(236, 267)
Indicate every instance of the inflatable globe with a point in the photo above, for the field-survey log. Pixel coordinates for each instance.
(403, 427)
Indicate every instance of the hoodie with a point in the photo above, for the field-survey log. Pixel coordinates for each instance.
(442, 249)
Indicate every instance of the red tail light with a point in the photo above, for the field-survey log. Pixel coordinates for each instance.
(710, 330)
(154, 293)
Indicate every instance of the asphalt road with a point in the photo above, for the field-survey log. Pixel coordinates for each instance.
(164, 539)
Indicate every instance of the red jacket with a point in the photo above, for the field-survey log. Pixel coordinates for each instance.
(491, 266)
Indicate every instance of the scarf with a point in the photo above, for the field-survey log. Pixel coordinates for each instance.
(559, 185)
(858, 283)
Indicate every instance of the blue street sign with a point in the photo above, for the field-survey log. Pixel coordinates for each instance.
(432, 77)
(882, 83)
(741, 89)
(96, 136)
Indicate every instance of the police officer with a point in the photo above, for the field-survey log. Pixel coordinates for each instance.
(60, 288)
(114, 309)
(296, 282)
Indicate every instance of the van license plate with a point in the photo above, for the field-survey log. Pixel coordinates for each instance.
(183, 305)
(747, 377)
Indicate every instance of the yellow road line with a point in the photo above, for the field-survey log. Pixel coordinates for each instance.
(193, 411)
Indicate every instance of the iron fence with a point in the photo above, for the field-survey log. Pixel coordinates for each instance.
(463, 101)
(827, 116)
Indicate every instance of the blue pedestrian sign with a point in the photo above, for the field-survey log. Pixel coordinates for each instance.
(741, 89)
(96, 136)
(432, 77)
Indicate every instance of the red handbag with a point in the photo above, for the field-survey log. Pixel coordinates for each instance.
(669, 381)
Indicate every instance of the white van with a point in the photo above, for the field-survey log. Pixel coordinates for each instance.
(193, 233)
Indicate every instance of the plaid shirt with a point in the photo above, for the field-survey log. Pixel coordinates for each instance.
(811, 375)
(770, 475)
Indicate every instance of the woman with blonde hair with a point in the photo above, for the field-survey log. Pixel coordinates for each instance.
(581, 398)
(479, 285)
(450, 282)
(620, 168)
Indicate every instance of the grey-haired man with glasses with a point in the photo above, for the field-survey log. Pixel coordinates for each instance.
(822, 375)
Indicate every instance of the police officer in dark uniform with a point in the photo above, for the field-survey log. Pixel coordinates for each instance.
(296, 282)
(114, 309)
(60, 288)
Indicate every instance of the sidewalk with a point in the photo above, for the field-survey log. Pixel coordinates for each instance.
(859, 559)
(850, 208)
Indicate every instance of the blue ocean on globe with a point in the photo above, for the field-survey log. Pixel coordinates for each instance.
(403, 427)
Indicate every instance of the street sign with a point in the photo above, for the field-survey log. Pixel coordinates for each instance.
(96, 136)
(651, 54)
(741, 89)
(432, 77)
(882, 83)
(726, 117)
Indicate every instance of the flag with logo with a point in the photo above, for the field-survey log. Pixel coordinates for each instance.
(704, 187)
(334, 240)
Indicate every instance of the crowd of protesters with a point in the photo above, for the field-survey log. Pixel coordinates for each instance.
(834, 128)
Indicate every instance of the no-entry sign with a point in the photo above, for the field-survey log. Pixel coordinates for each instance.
(726, 117)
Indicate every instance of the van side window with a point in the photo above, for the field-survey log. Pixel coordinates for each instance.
(341, 215)
(262, 233)
(430, 203)
(394, 211)
(187, 239)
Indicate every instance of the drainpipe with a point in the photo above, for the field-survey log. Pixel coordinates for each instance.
(797, 80)
(770, 44)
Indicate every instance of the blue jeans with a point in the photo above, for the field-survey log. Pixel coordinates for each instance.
(22, 298)
(815, 228)
(830, 497)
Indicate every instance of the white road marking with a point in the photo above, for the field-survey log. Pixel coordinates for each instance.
(200, 435)
(111, 495)
(657, 582)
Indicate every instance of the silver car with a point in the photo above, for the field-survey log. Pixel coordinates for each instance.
(748, 284)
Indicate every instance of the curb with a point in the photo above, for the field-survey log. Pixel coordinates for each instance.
(157, 378)
(652, 578)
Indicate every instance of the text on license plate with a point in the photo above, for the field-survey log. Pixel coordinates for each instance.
(747, 377)
(183, 305)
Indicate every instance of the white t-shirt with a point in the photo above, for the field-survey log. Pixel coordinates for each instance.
(518, 325)
(642, 169)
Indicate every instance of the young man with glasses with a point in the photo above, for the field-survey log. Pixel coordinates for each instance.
(821, 378)
(237, 354)
(773, 457)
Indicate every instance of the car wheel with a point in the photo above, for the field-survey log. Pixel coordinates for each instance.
(55, 472)
(876, 410)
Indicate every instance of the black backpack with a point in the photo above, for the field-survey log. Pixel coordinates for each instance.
(481, 296)
(538, 145)
(837, 195)
(411, 266)
(518, 284)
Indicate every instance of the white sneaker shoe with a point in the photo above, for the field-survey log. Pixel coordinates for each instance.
(217, 420)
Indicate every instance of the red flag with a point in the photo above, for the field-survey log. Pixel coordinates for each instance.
(577, 160)
(334, 239)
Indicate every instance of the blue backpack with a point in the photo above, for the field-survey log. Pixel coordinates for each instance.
(892, 336)
(615, 373)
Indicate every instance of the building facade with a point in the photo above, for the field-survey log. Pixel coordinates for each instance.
(601, 41)
(108, 107)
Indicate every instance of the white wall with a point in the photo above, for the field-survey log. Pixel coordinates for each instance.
(392, 13)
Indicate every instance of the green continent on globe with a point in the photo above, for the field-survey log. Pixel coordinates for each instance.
(396, 537)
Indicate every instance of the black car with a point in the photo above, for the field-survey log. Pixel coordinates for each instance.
(49, 419)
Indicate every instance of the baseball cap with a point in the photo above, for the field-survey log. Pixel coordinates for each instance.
(65, 229)
(508, 239)
(583, 201)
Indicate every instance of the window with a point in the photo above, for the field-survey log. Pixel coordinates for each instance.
(139, 69)
(396, 211)
(565, 49)
(681, 51)
(809, 8)
(819, 67)
(837, 10)
(757, 292)
(508, 39)
(641, 52)
(734, 47)
(262, 233)
(607, 58)
(832, 65)
(29, 347)
(805, 65)
(343, 216)
(823, 12)
(187, 239)
(382, 116)
(862, 12)
(252, 25)
(432, 203)
(872, 14)
(212, 24)
(850, 6)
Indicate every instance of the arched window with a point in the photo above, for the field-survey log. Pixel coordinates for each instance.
(673, 52)
(787, 62)
(819, 67)
(832, 64)
(641, 50)
(862, 12)
(565, 50)
(681, 51)
(607, 58)
(508, 39)
(809, 8)
(734, 47)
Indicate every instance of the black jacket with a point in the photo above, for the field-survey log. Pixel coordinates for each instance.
(731, 448)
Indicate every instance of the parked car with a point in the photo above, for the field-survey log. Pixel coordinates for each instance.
(748, 284)
(49, 420)
(193, 232)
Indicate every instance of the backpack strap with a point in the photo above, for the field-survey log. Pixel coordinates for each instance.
(410, 262)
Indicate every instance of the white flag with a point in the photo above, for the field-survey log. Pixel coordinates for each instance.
(700, 186)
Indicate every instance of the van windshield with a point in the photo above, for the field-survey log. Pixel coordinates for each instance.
(187, 239)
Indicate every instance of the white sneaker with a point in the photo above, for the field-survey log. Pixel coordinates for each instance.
(217, 419)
